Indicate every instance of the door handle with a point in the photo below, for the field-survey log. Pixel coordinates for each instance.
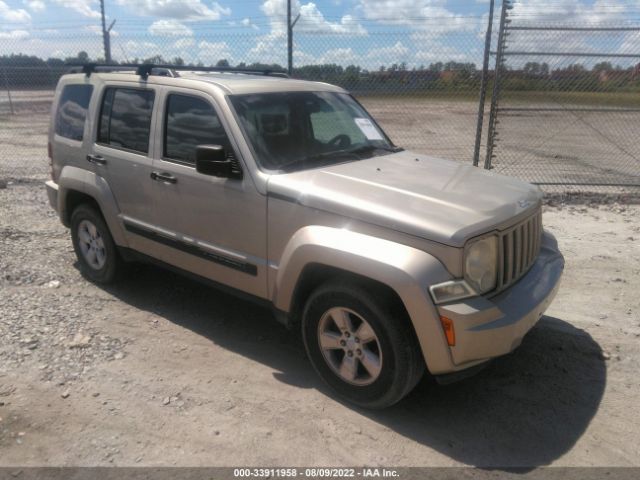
(96, 159)
(163, 177)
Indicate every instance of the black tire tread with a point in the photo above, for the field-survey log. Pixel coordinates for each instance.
(399, 328)
(115, 265)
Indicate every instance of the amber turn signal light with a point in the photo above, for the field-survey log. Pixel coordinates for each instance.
(447, 325)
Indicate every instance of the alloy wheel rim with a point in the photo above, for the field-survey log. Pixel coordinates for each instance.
(350, 346)
(91, 245)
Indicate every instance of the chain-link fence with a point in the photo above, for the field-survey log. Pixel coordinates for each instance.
(559, 119)
(425, 100)
(567, 111)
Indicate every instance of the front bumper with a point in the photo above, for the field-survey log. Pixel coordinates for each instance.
(487, 328)
(52, 193)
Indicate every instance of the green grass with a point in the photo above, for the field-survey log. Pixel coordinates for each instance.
(602, 99)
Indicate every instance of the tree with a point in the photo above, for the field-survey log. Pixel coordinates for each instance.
(223, 63)
(81, 58)
(603, 67)
(352, 75)
(155, 60)
(544, 69)
(532, 69)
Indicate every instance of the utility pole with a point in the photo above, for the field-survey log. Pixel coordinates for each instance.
(106, 34)
(290, 26)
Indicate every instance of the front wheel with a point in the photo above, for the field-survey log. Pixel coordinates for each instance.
(361, 344)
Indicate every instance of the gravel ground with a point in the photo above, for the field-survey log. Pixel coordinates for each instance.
(159, 370)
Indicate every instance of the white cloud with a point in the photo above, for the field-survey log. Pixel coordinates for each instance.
(344, 56)
(340, 56)
(86, 8)
(270, 48)
(138, 49)
(246, 22)
(14, 35)
(169, 28)
(395, 52)
(184, 43)
(35, 5)
(97, 30)
(186, 10)
(18, 15)
(428, 14)
(311, 18)
(211, 52)
(442, 53)
(575, 11)
(25, 44)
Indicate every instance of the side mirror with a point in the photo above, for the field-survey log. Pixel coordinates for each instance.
(212, 160)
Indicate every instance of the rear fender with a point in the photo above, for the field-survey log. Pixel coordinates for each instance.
(95, 186)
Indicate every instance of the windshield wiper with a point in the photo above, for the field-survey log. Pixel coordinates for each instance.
(354, 151)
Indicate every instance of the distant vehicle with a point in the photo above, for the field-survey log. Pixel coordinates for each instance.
(390, 262)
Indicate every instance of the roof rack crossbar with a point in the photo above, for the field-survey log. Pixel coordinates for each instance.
(146, 69)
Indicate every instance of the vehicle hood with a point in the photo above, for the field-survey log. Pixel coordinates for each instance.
(439, 200)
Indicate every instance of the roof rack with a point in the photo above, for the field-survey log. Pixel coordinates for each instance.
(146, 69)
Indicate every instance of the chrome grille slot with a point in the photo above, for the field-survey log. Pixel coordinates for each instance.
(519, 248)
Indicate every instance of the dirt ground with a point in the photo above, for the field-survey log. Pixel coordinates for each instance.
(159, 370)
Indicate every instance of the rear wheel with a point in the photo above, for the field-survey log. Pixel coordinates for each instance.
(95, 249)
(361, 344)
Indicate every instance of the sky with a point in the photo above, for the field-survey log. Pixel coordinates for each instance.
(364, 32)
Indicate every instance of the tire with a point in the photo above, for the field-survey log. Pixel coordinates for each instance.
(104, 264)
(400, 363)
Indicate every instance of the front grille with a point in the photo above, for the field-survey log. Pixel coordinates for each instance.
(519, 248)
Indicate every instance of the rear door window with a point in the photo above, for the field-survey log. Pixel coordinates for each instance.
(72, 111)
(125, 118)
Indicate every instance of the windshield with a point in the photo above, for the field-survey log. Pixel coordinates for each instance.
(296, 130)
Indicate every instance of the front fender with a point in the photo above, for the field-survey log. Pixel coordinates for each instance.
(95, 186)
(406, 270)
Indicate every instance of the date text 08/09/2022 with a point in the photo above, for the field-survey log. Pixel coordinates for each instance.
(314, 472)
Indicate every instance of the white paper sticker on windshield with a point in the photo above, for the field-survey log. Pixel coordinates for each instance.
(368, 128)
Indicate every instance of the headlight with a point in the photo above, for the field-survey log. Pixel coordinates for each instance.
(481, 264)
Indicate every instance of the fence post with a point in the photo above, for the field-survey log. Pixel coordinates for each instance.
(6, 83)
(506, 5)
(289, 40)
(483, 86)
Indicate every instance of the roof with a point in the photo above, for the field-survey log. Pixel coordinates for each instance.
(229, 83)
(239, 83)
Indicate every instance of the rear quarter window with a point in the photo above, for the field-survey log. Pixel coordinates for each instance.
(72, 111)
